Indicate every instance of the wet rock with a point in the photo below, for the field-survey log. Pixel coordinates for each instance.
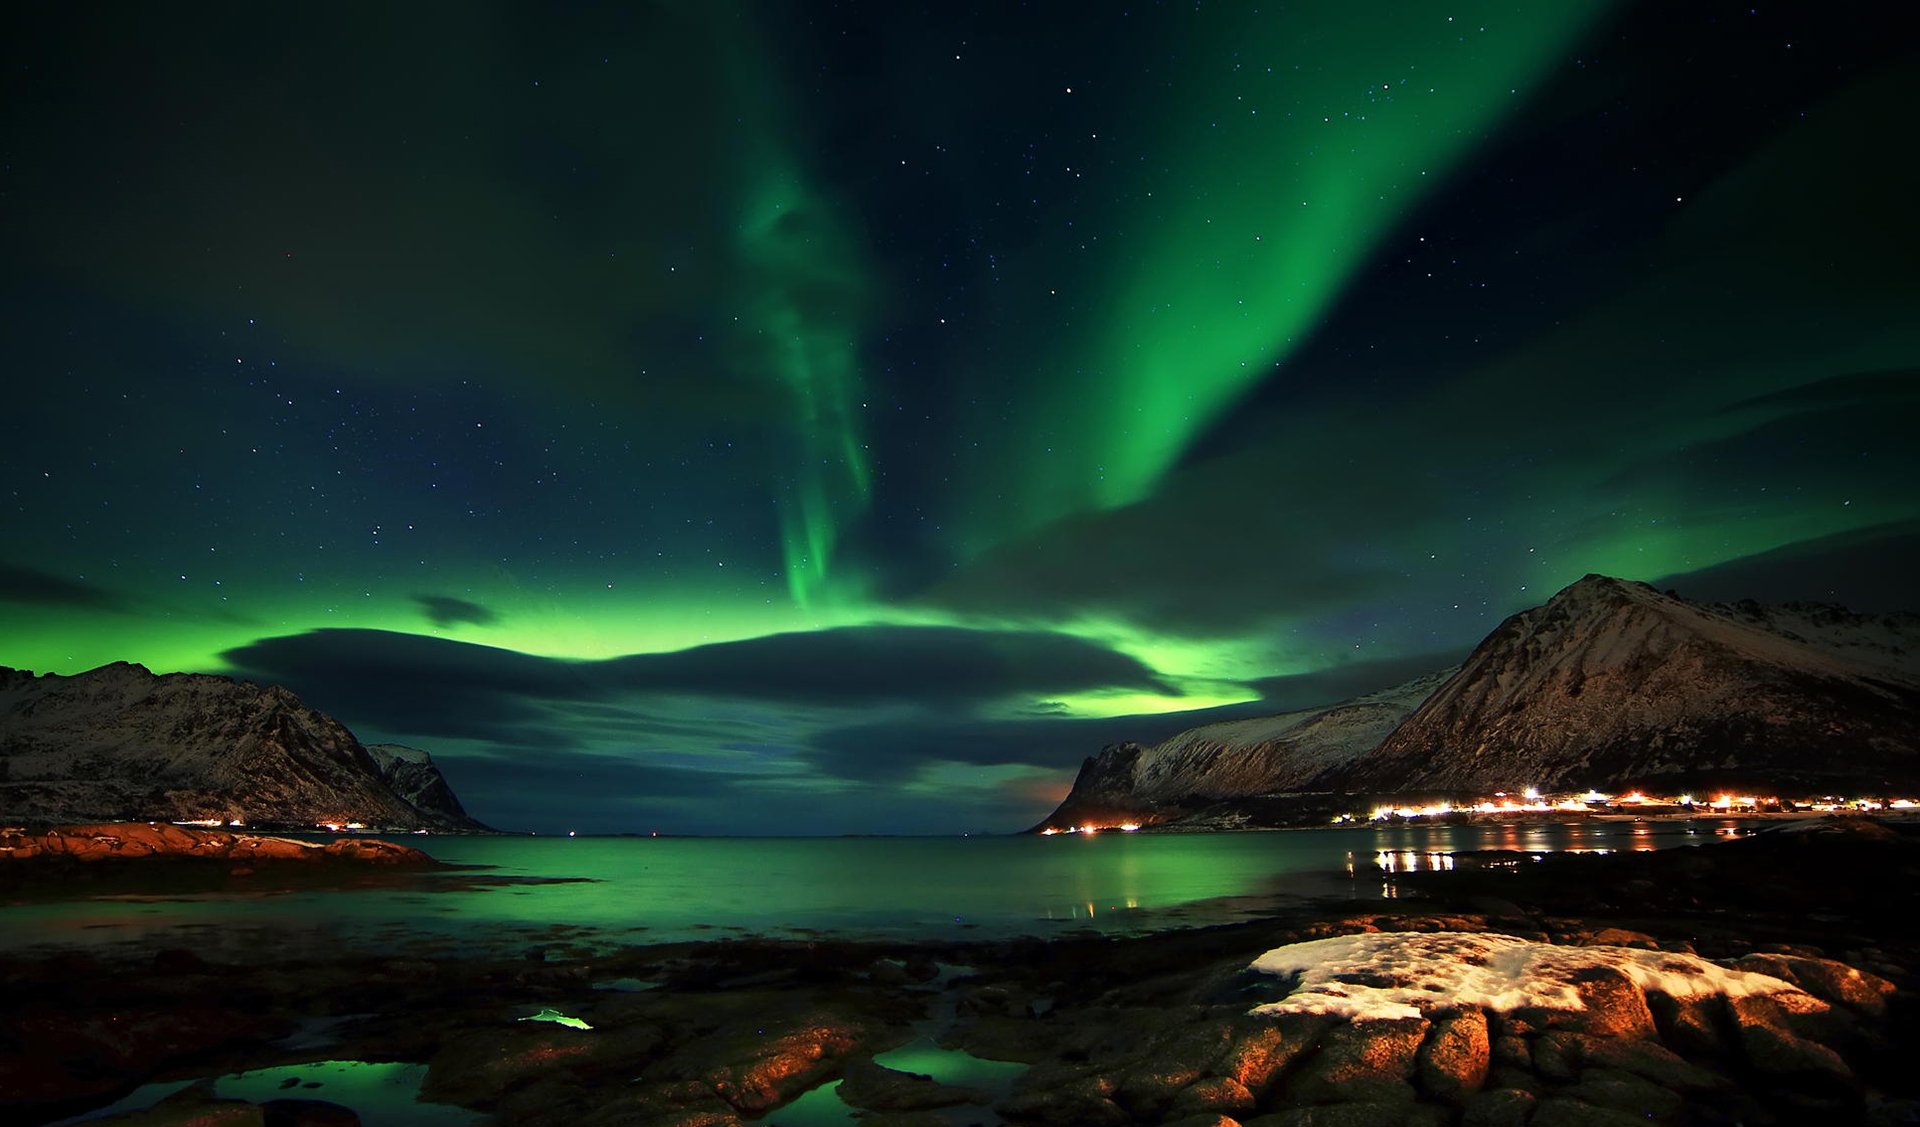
(1389, 1114)
(1556, 1055)
(756, 1073)
(1085, 1102)
(1505, 1107)
(878, 1088)
(663, 1106)
(1825, 979)
(476, 1069)
(1215, 1094)
(1615, 1006)
(1511, 1051)
(1774, 1051)
(1174, 1060)
(1362, 1061)
(1618, 937)
(1262, 1049)
(889, 972)
(190, 1107)
(901, 1119)
(1453, 1062)
(1691, 1025)
(1573, 1113)
(1505, 1078)
(1623, 1091)
(308, 1113)
(1650, 1061)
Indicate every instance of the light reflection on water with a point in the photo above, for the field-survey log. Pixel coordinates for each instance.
(665, 889)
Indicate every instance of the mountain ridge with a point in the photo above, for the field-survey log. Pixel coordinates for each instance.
(1608, 682)
(122, 743)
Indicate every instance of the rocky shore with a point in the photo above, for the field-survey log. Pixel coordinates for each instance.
(1694, 986)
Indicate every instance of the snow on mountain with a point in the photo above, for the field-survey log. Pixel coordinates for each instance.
(118, 743)
(1180, 778)
(1608, 684)
(1612, 683)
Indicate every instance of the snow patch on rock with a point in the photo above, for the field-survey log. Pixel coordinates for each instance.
(1401, 975)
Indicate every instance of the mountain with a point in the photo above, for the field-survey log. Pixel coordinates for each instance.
(118, 743)
(1214, 777)
(1609, 684)
(410, 773)
(1613, 683)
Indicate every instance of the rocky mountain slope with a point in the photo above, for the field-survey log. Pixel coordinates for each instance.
(1609, 684)
(1200, 777)
(411, 774)
(1614, 683)
(118, 743)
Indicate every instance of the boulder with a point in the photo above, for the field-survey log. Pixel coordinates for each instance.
(1366, 1061)
(1502, 1107)
(876, 1087)
(1220, 1095)
(1830, 981)
(1453, 1062)
(1614, 1004)
(1560, 1112)
(308, 1113)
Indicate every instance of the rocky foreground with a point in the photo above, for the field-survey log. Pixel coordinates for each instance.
(1684, 1009)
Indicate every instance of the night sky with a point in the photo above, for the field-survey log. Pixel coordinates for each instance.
(844, 418)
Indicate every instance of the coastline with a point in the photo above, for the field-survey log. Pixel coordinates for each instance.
(1107, 1030)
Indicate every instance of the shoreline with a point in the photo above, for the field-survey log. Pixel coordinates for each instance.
(1076, 1011)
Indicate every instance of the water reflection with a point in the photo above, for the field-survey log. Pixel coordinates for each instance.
(661, 890)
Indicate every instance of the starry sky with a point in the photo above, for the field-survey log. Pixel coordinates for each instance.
(818, 418)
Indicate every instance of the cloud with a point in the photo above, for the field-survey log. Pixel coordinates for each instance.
(31, 585)
(445, 610)
(413, 683)
(1869, 571)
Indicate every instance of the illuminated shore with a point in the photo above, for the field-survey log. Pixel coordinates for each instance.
(1735, 982)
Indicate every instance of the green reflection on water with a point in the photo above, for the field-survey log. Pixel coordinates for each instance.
(384, 1094)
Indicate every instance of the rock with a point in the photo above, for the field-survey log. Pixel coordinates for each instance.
(1623, 1091)
(875, 1087)
(1573, 1113)
(1505, 1107)
(1201, 1120)
(477, 1068)
(889, 972)
(1618, 937)
(1556, 1055)
(308, 1113)
(209, 1113)
(1453, 1062)
(756, 1074)
(1362, 1061)
(1390, 1114)
(1615, 1006)
(1174, 1060)
(1650, 1061)
(1262, 1049)
(1691, 1025)
(1511, 1051)
(1776, 1052)
(1085, 1102)
(1215, 1094)
(1825, 979)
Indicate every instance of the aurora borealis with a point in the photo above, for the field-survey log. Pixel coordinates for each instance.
(806, 418)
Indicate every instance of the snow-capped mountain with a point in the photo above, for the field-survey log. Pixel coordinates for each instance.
(1199, 776)
(1609, 684)
(411, 773)
(1613, 683)
(119, 743)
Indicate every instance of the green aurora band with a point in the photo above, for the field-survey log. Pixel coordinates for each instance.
(1279, 176)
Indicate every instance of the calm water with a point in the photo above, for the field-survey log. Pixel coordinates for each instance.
(662, 889)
